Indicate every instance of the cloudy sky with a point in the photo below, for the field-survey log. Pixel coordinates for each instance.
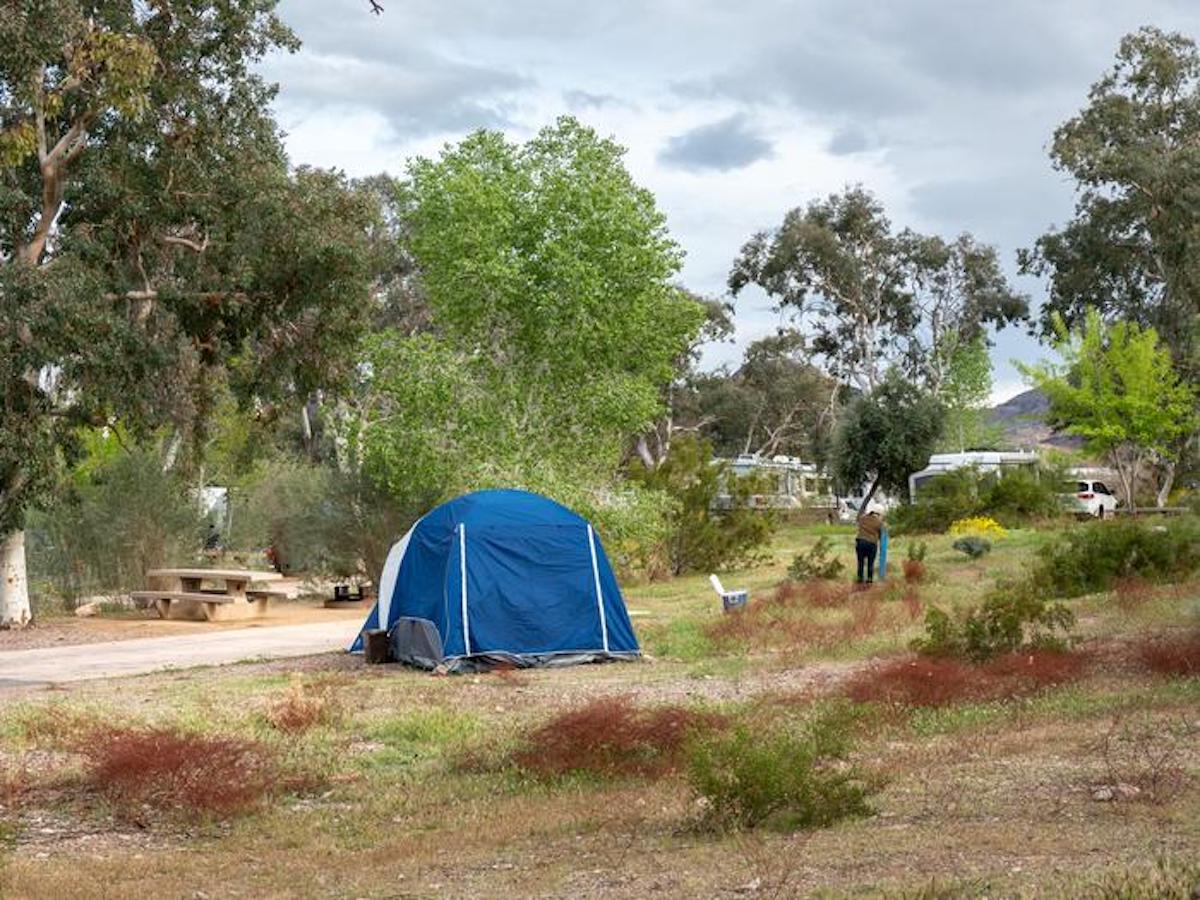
(733, 113)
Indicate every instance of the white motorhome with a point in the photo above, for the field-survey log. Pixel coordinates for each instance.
(996, 461)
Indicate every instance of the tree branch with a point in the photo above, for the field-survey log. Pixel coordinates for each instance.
(195, 247)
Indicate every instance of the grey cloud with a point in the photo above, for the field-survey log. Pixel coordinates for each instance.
(579, 99)
(418, 93)
(848, 140)
(720, 146)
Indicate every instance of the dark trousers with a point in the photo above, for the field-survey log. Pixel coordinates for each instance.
(866, 554)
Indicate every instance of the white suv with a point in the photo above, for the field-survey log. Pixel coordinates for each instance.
(1089, 498)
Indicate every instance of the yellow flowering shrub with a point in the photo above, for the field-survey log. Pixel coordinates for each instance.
(983, 526)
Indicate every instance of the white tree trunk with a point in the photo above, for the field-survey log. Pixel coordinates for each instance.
(14, 587)
(1164, 486)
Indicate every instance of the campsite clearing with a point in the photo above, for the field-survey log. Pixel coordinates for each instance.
(406, 792)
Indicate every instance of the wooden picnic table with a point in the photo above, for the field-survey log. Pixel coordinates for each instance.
(207, 594)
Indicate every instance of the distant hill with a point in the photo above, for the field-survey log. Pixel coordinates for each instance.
(1022, 420)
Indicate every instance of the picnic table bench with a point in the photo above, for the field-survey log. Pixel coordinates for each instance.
(208, 594)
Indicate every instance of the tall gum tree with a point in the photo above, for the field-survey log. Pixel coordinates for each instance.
(869, 298)
(151, 233)
(1132, 250)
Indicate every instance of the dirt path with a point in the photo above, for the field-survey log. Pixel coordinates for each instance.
(51, 665)
(68, 631)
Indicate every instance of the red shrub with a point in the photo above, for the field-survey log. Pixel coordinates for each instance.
(611, 736)
(914, 571)
(927, 681)
(186, 774)
(1178, 656)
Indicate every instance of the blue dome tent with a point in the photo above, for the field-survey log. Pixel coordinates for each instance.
(500, 576)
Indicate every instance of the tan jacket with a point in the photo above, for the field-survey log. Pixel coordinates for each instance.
(870, 527)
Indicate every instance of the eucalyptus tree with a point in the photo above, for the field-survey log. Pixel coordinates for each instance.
(1132, 250)
(151, 234)
(871, 298)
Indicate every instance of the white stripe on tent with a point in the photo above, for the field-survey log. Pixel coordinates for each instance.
(599, 594)
(391, 571)
(462, 565)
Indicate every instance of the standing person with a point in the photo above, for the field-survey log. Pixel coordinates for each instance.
(866, 544)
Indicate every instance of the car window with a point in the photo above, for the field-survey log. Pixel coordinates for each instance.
(1101, 489)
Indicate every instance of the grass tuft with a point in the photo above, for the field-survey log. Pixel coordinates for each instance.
(297, 709)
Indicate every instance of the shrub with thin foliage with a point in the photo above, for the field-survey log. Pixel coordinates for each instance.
(927, 681)
(612, 736)
(192, 776)
(783, 779)
(1172, 656)
(816, 563)
(1012, 618)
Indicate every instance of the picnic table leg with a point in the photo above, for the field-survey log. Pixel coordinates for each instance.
(162, 606)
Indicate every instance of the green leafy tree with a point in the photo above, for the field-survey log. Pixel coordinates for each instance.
(1118, 390)
(554, 325)
(873, 298)
(151, 236)
(702, 537)
(965, 390)
(680, 415)
(885, 436)
(1132, 250)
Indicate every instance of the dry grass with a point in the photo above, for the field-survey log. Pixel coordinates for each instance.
(912, 603)
(612, 736)
(931, 681)
(827, 594)
(298, 708)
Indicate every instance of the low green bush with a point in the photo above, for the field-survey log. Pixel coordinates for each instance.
(1093, 557)
(973, 546)
(1012, 618)
(781, 779)
(816, 563)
